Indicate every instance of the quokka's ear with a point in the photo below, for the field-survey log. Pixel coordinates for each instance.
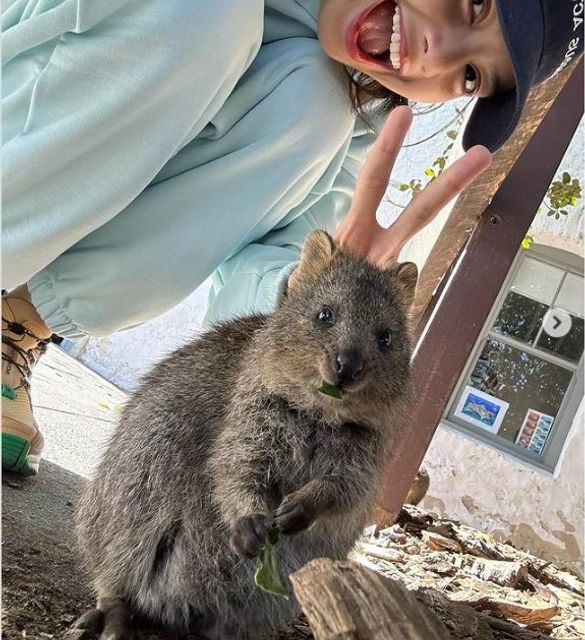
(404, 277)
(316, 256)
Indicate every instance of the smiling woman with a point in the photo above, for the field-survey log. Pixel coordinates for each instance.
(430, 52)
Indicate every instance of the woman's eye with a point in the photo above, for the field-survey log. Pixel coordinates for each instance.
(385, 339)
(477, 8)
(326, 316)
(471, 80)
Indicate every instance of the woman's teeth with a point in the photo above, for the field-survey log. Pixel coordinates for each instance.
(379, 34)
(395, 40)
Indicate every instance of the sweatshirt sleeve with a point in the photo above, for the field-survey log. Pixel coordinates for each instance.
(252, 280)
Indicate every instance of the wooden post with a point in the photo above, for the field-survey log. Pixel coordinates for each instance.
(457, 320)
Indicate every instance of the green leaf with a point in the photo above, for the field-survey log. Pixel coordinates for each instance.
(451, 134)
(557, 216)
(565, 213)
(566, 178)
(330, 390)
(430, 173)
(266, 576)
(403, 187)
(440, 162)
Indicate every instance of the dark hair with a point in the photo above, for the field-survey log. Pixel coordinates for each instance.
(364, 90)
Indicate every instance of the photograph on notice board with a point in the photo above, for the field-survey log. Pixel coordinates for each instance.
(481, 409)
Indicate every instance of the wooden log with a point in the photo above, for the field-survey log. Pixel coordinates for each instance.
(346, 601)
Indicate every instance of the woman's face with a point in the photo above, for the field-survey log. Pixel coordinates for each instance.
(424, 50)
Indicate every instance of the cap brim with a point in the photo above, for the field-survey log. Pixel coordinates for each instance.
(493, 119)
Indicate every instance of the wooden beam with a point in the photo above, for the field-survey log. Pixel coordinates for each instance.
(467, 299)
(473, 202)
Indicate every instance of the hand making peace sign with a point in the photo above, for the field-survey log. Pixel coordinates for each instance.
(360, 233)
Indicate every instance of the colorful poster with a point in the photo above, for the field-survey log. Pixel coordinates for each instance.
(535, 431)
(481, 409)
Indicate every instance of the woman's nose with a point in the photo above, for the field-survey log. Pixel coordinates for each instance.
(443, 48)
(446, 46)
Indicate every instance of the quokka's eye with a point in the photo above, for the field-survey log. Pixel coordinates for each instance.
(326, 316)
(385, 339)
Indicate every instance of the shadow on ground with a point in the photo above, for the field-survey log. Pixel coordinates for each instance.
(44, 587)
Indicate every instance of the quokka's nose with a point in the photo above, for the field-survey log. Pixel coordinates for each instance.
(348, 365)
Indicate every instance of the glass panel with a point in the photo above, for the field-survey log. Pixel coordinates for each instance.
(569, 346)
(537, 280)
(520, 317)
(571, 295)
(513, 394)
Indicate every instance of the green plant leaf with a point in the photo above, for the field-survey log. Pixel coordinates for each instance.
(430, 173)
(452, 134)
(440, 162)
(566, 178)
(330, 390)
(266, 576)
(403, 187)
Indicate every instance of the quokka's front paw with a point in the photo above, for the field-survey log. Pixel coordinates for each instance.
(249, 534)
(294, 514)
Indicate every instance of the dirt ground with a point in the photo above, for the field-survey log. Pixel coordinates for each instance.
(44, 588)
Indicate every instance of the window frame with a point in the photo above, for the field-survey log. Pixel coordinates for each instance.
(548, 461)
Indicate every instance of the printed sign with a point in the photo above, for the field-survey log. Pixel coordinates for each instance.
(534, 431)
(481, 409)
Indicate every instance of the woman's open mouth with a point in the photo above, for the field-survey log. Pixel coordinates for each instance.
(375, 36)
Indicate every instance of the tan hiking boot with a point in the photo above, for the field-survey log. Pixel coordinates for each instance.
(24, 339)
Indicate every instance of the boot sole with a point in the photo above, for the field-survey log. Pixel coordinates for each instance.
(16, 455)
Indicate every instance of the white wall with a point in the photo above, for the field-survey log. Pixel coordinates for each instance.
(480, 486)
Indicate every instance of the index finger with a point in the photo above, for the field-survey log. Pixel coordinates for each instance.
(374, 175)
(426, 205)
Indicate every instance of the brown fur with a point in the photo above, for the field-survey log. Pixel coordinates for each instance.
(228, 435)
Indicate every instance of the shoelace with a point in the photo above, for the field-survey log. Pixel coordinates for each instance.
(20, 358)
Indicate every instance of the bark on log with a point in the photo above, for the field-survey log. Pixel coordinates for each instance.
(344, 601)
(347, 601)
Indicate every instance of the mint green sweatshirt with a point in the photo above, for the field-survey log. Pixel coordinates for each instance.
(149, 145)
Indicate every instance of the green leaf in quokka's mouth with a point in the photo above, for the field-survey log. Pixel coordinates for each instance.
(266, 576)
(331, 390)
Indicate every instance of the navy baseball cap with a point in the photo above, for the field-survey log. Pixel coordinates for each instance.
(543, 37)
